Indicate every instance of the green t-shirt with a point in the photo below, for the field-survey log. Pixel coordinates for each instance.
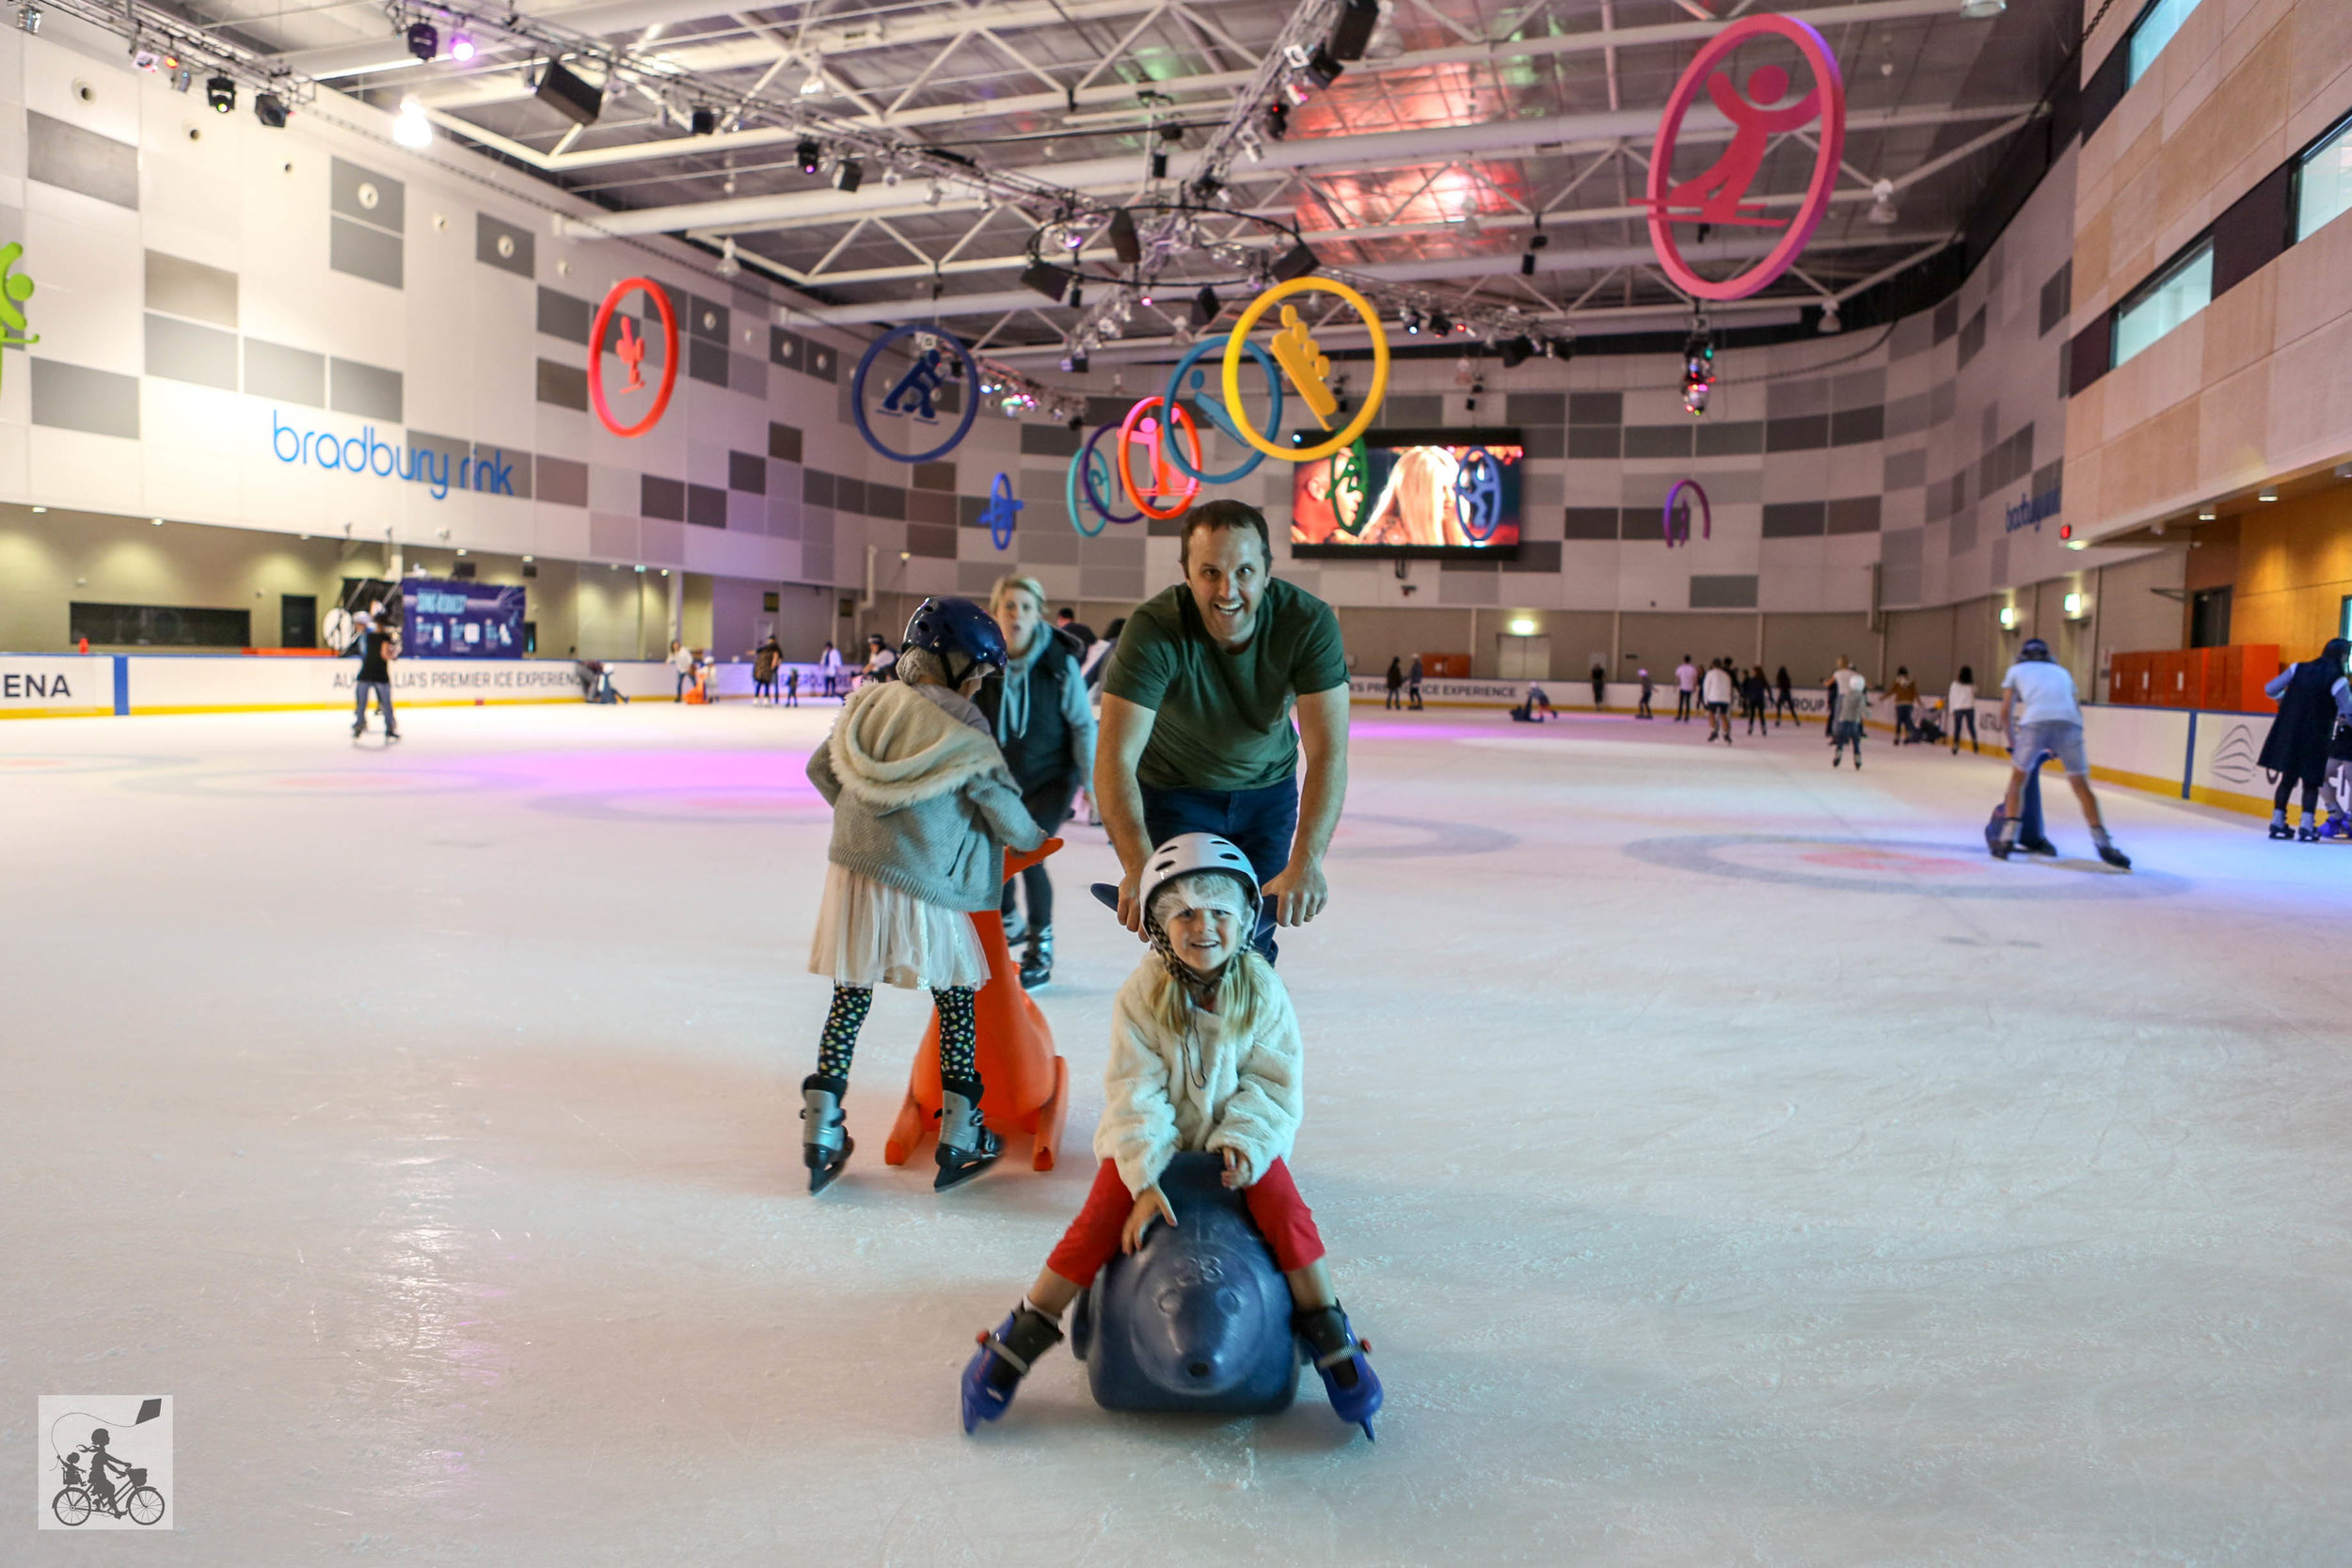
(1224, 719)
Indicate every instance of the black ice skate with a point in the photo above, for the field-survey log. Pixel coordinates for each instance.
(2108, 852)
(966, 1147)
(1036, 962)
(825, 1141)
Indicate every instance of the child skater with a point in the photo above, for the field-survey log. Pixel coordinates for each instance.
(923, 811)
(1204, 1055)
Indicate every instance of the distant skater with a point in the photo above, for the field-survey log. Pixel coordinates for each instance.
(1961, 701)
(829, 669)
(1785, 697)
(1534, 709)
(377, 648)
(1850, 707)
(1686, 686)
(2038, 694)
(1396, 685)
(1716, 691)
(1412, 685)
(2312, 696)
(765, 659)
(1648, 686)
(1906, 694)
(1600, 686)
(1752, 692)
(792, 685)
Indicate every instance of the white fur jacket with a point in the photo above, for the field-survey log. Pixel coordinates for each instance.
(921, 795)
(1152, 1107)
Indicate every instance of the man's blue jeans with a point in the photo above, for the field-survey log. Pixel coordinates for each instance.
(1261, 822)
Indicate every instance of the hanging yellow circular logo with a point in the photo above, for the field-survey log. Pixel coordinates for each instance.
(1309, 369)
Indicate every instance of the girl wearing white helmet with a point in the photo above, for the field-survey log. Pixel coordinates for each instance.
(1205, 1054)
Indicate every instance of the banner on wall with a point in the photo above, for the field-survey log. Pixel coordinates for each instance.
(460, 620)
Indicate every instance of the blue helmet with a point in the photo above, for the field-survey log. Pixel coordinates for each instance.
(2035, 649)
(960, 633)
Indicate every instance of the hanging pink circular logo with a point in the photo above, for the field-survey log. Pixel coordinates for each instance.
(1718, 198)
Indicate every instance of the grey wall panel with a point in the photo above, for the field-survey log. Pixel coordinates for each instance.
(706, 361)
(1526, 408)
(71, 397)
(1733, 438)
(365, 252)
(748, 473)
(1595, 409)
(1722, 593)
(184, 287)
(560, 481)
(706, 319)
(368, 391)
(182, 351)
(372, 198)
(287, 375)
(748, 375)
(1855, 514)
(565, 385)
(503, 245)
(661, 498)
(563, 316)
(66, 155)
(706, 506)
(1906, 470)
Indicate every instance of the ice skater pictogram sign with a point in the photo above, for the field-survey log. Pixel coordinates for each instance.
(1719, 196)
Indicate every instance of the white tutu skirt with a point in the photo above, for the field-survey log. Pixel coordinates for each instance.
(868, 934)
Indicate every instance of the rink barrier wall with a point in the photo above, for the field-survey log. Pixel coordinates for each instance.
(2207, 757)
(63, 685)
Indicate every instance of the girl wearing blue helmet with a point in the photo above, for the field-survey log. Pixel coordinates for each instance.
(924, 809)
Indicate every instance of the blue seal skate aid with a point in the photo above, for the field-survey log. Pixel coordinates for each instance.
(1198, 1317)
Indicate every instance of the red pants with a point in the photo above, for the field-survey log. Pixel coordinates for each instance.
(1092, 1239)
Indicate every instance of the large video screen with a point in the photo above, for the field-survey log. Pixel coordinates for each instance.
(1411, 493)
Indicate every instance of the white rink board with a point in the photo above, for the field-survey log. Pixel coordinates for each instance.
(55, 686)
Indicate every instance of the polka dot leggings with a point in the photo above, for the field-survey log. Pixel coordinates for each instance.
(851, 1004)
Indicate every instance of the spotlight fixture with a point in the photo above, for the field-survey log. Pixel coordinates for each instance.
(181, 78)
(1125, 242)
(848, 175)
(815, 83)
(1698, 369)
(1438, 324)
(1527, 263)
(1983, 10)
(1048, 279)
(271, 110)
(461, 47)
(1205, 306)
(1353, 31)
(1278, 121)
(411, 128)
(1830, 323)
(1298, 261)
(1562, 349)
(1411, 320)
(933, 197)
(1206, 189)
(29, 19)
(1320, 69)
(564, 90)
(1882, 211)
(1517, 352)
(1159, 161)
(1074, 361)
(810, 156)
(219, 92)
(424, 40)
(703, 122)
(729, 265)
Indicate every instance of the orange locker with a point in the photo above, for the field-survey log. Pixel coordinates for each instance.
(1446, 666)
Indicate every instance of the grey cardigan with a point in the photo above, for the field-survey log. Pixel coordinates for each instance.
(921, 799)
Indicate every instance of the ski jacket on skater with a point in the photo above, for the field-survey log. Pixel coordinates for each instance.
(1152, 1106)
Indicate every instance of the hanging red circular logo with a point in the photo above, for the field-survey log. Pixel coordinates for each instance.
(629, 349)
(1758, 112)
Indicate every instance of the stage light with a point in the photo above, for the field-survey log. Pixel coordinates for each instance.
(1322, 70)
(815, 83)
(1159, 163)
(1438, 324)
(424, 40)
(1353, 31)
(703, 122)
(1882, 211)
(461, 47)
(848, 175)
(1560, 348)
(1048, 279)
(729, 265)
(271, 110)
(564, 90)
(1074, 361)
(221, 93)
(1278, 121)
(181, 78)
(411, 128)
(1517, 352)
(808, 154)
(1125, 242)
(1205, 306)
(1298, 261)
(1527, 263)
(29, 19)
(1411, 320)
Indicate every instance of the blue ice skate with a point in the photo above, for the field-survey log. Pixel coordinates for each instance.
(1342, 1361)
(995, 1373)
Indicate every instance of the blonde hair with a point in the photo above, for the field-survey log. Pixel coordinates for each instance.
(1005, 584)
(1245, 996)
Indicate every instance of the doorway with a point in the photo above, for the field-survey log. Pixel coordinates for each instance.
(2209, 618)
(1522, 658)
(297, 621)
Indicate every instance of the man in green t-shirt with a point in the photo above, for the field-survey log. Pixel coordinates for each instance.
(1197, 736)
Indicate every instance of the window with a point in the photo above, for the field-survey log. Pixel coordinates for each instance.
(2323, 181)
(2151, 33)
(2160, 306)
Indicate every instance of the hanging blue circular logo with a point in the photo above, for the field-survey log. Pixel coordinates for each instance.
(1000, 513)
(1211, 403)
(914, 395)
(1478, 494)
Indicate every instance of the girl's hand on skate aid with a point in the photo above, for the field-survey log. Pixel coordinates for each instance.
(1151, 1204)
(1238, 1173)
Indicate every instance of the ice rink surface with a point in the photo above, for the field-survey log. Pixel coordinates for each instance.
(1730, 1163)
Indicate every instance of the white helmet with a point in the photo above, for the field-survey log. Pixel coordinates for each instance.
(1190, 852)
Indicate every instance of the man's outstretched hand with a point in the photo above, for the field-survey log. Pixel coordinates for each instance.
(1298, 894)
